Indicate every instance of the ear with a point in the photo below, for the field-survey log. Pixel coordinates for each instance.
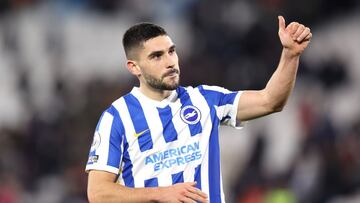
(133, 67)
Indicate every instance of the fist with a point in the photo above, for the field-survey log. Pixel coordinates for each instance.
(294, 37)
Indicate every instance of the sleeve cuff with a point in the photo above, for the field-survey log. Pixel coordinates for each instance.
(101, 168)
(234, 122)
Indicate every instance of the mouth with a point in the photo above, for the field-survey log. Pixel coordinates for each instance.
(171, 73)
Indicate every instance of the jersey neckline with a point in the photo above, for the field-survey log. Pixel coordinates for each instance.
(170, 99)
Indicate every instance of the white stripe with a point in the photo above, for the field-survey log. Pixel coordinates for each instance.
(226, 110)
(117, 104)
(154, 122)
(133, 149)
(220, 111)
(102, 168)
(233, 112)
(104, 131)
(164, 179)
(121, 107)
(206, 123)
(120, 179)
(230, 110)
(189, 173)
(205, 173)
(184, 138)
(180, 126)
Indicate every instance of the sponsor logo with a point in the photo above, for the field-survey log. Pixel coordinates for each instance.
(174, 156)
(140, 133)
(96, 142)
(190, 114)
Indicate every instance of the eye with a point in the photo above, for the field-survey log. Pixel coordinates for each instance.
(156, 56)
(171, 51)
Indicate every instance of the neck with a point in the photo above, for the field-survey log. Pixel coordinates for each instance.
(153, 93)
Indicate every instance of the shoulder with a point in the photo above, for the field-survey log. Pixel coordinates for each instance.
(120, 103)
(206, 89)
(212, 94)
(116, 106)
(203, 89)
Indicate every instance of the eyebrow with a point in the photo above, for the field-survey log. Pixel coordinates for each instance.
(173, 46)
(156, 53)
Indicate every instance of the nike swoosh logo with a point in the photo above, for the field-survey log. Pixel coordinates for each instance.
(140, 133)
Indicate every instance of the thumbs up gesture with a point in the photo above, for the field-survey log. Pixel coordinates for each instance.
(295, 37)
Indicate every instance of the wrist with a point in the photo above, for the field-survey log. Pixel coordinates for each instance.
(154, 194)
(288, 53)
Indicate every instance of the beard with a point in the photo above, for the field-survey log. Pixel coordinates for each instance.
(159, 83)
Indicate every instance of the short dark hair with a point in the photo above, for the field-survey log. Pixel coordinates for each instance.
(136, 35)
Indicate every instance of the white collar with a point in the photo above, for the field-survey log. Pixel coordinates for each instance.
(170, 99)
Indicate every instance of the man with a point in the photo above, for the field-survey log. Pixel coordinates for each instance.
(159, 143)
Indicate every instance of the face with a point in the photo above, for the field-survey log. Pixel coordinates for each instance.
(158, 64)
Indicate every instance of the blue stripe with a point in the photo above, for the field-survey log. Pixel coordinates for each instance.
(186, 101)
(197, 176)
(228, 98)
(117, 130)
(127, 174)
(218, 98)
(93, 153)
(214, 163)
(153, 182)
(214, 153)
(98, 124)
(177, 177)
(169, 131)
(139, 121)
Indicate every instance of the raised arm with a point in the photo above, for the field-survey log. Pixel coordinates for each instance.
(102, 188)
(253, 104)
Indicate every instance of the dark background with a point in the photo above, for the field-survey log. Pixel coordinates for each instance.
(62, 64)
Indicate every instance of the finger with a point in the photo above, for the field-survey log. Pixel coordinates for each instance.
(195, 197)
(308, 37)
(302, 36)
(187, 200)
(192, 184)
(298, 32)
(198, 191)
(292, 27)
(281, 23)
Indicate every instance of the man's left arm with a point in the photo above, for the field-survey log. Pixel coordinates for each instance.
(253, 104)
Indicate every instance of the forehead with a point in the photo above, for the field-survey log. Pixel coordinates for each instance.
(160, 43)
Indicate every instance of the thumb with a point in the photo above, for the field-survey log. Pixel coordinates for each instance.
(281, 23)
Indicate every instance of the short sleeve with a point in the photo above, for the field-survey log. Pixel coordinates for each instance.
(229, 112)
(225, 102)
(107, 146)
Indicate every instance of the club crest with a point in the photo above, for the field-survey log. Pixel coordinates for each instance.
(190, 114)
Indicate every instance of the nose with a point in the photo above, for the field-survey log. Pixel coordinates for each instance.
(170, 61)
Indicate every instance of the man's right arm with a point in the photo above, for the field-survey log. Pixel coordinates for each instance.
(102, 188)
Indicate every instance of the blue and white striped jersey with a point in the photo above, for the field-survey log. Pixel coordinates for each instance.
(151, 143)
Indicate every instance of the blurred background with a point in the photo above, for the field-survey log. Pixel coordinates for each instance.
(62, 64)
